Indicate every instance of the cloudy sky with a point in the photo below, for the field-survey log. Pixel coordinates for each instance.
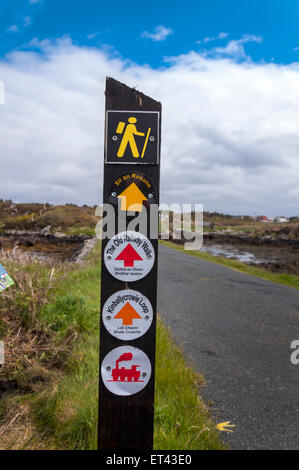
(227, 77)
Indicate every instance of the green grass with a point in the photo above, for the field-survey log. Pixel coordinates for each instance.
(181, 419)
(280, 278)
(73, 231)
(64, 409)
(69, 413)
(66, 414)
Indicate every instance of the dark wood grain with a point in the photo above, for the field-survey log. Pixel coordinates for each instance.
(126, 423)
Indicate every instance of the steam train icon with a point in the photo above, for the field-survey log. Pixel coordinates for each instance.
(121, 374)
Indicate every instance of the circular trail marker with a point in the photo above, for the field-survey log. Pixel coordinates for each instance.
(129, 256)
(126, 370)
(133, 190)
(127, 314)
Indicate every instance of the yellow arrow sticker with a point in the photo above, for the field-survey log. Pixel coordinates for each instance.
(225, 426)
(132, 199)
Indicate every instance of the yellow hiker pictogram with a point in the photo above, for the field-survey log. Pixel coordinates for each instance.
(128, 138)
(132, 199)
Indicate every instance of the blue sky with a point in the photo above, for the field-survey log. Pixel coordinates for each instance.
(119, 24)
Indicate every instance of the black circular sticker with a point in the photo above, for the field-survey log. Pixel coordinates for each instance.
(133, 190)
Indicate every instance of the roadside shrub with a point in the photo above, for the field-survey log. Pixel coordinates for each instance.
(68, 312)
(33, 282)
(27, 341)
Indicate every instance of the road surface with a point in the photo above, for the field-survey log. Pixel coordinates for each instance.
(236, 329)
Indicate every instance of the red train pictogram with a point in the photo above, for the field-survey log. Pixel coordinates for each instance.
(122, 374)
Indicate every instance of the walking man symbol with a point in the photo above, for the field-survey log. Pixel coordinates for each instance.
(129, 138)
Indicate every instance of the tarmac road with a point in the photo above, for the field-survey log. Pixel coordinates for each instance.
(236, 329)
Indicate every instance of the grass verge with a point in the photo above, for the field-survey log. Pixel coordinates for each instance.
(280, 278)
(55, 406)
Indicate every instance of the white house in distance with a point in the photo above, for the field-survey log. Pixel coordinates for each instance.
(281, 219)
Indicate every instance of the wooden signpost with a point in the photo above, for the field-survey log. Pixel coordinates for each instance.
(129, 271)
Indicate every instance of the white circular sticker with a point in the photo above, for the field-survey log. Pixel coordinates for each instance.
(127, 314)
(126, 370)
(129, 256)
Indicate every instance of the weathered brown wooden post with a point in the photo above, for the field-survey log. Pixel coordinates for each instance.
(129, 271)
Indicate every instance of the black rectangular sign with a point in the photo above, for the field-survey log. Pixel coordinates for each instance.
(132, 137)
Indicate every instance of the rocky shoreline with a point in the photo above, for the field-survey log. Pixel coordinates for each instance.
(281, 238)
(43, 244)
(276, 251)
(286, 237)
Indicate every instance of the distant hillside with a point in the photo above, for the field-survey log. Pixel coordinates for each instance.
(69, 218)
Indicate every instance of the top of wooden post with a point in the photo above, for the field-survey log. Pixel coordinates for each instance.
(121, 97)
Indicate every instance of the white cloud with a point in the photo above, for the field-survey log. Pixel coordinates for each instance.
(235, 47)
(229, 140)
(214, 38)
(93, 35)
(296, 48)
(27, 21)
(160, 33)
(2, 93)
(13, 28)
(222, 35)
